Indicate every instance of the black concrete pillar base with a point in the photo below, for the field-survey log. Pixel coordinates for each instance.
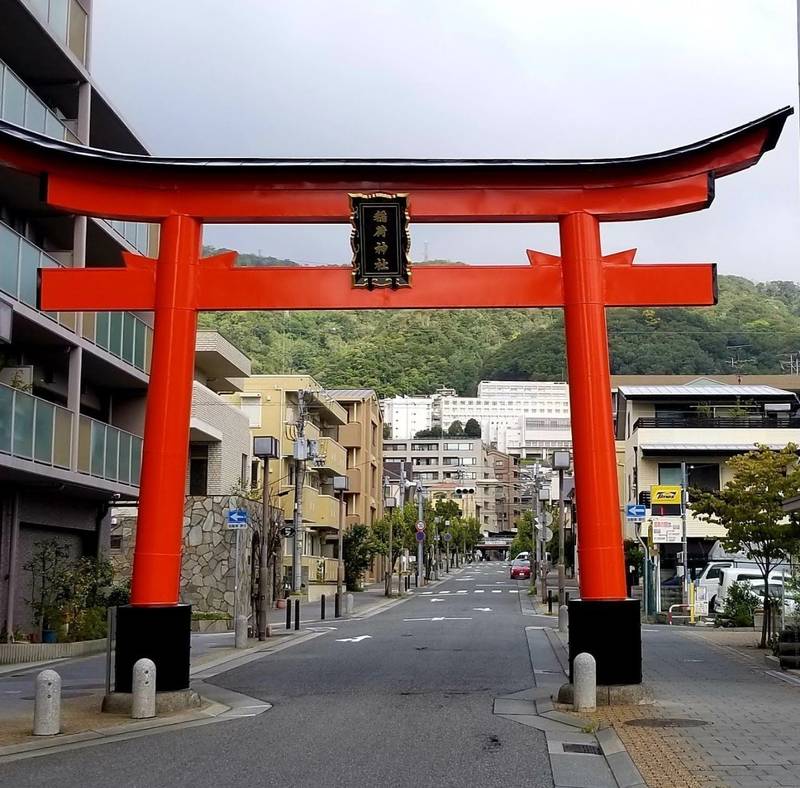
(161, 633)
(609, 630)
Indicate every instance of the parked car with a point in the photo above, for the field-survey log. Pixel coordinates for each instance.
(711, 575)
(520, 569)
(735, 574)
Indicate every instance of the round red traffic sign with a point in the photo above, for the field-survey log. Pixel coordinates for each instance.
(420, 526)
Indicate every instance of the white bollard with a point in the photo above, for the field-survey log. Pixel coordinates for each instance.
(563, 619)
(348, 608)
(584, 675)
(240, 632)
(143, 704)
(47, 706)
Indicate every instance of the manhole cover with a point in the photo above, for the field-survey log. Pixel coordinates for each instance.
(666, 723)
(584, 749)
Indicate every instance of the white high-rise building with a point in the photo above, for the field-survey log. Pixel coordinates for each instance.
(407, 415)
(529, 419)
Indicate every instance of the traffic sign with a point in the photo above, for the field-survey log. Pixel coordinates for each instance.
(420, 536)
(287, 531)
(448, 536)
(420, 526)
(548, 534)
(635, 511)
(237, 518)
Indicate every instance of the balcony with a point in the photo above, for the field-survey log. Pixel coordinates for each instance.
(34, 429)
(122, 334)
(318, 509)
(66, 20)
(109, 453)
(332, 457)
(354, 480)
(350, 435)
(689, 421)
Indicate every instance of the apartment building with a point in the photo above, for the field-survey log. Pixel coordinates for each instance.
(362, 438)
(529, 419)
(703, 424)
(72, 386)
(508, 490)
(272, 404)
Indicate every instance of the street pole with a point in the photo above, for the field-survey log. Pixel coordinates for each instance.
(562, 584)
(684, 499)
(300, 453)
(340, 564)
(264, 579)
(420, 560)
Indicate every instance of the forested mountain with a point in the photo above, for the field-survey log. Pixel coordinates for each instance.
(399, 352)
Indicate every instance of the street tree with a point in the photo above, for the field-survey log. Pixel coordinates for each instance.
(359, 547)
(750, 508)
(455, 429)
(472, 429)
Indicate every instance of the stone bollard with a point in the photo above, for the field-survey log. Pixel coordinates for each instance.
(143, 700)
(349, 605)
(563, 619)
(47, 706)
(584, 674)
(240, 632)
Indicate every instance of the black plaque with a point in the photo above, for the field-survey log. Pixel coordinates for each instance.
(380, 240)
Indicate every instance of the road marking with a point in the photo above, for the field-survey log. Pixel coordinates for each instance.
(322, 629)
(513, 592)
(776, 674)
(483, 609)
(437, 600)
(353, 640)
(497, 591)
(427, 593)
(480, 591)
(462, 592)
(439, 618)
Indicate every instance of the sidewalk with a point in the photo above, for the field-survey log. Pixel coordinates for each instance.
(722, 716)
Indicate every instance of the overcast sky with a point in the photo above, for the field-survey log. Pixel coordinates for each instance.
(470, 78)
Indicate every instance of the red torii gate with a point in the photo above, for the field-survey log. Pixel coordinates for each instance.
(182, 194)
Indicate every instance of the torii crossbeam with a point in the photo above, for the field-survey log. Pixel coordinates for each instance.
(182, 194)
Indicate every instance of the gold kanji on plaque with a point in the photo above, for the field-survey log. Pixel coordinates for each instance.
(380, 240)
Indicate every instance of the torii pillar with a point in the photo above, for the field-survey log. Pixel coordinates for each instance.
(183, 194)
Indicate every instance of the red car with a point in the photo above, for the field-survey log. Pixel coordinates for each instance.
(520, 569)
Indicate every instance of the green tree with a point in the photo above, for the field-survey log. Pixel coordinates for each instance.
(359, 547)
(472, 429)
(750, 508)
(456, 428)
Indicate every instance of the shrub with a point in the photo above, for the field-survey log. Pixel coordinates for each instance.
(740, 605)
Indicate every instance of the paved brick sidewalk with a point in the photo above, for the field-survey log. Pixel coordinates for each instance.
(750, 736)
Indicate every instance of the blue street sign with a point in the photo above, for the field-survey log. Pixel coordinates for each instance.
(635, 511)
(420, 536)
(237, 518)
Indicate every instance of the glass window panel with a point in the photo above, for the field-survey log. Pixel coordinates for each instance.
(28, 272)
(40, 6)
(23, 425)
(84, 444)
(6, 405)
(139, 345)
(128, 329)
(101, 329)
(77, 30)
(136, 459)
(112, 444)
(59, 10)
(124, 474)
(43, 434)
(669, 473)
(53, 127)
(35, 113)
(141, 236)
(115, 333)
(62, 443)
(98, 448)
(9, 259)
(13, 99)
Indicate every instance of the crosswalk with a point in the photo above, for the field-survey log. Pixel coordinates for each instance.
(462, 592)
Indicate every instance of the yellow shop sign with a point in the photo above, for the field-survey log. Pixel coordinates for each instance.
(665, 494)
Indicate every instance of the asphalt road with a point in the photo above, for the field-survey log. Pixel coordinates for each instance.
(403, 698)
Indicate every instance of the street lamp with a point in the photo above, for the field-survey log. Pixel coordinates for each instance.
(561, 462)
(266, 448)
(340, 486)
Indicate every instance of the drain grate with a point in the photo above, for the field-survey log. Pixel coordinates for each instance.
(648, 722)
(583, 749)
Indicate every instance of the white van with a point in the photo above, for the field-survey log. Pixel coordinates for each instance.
(711, 575)
(736, 574)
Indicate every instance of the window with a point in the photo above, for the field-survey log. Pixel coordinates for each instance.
(251, 406)
(254, 473)
(116, 542)
(198, 469)
(243, 480)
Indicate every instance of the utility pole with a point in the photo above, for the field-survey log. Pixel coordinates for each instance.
(420, 516)
(300, 457)
(684, 499)
(264, 579)
(534, 562)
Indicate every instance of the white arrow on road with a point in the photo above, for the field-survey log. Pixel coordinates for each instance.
(353, 640)
(483, 609)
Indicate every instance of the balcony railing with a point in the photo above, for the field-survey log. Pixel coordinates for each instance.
(332, 456)
(66, 19)
(34, 429)
(108, 452)
(122, 334)
(758, 421)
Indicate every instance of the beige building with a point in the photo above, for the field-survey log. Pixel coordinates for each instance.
(362, 438)
(272, 404)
